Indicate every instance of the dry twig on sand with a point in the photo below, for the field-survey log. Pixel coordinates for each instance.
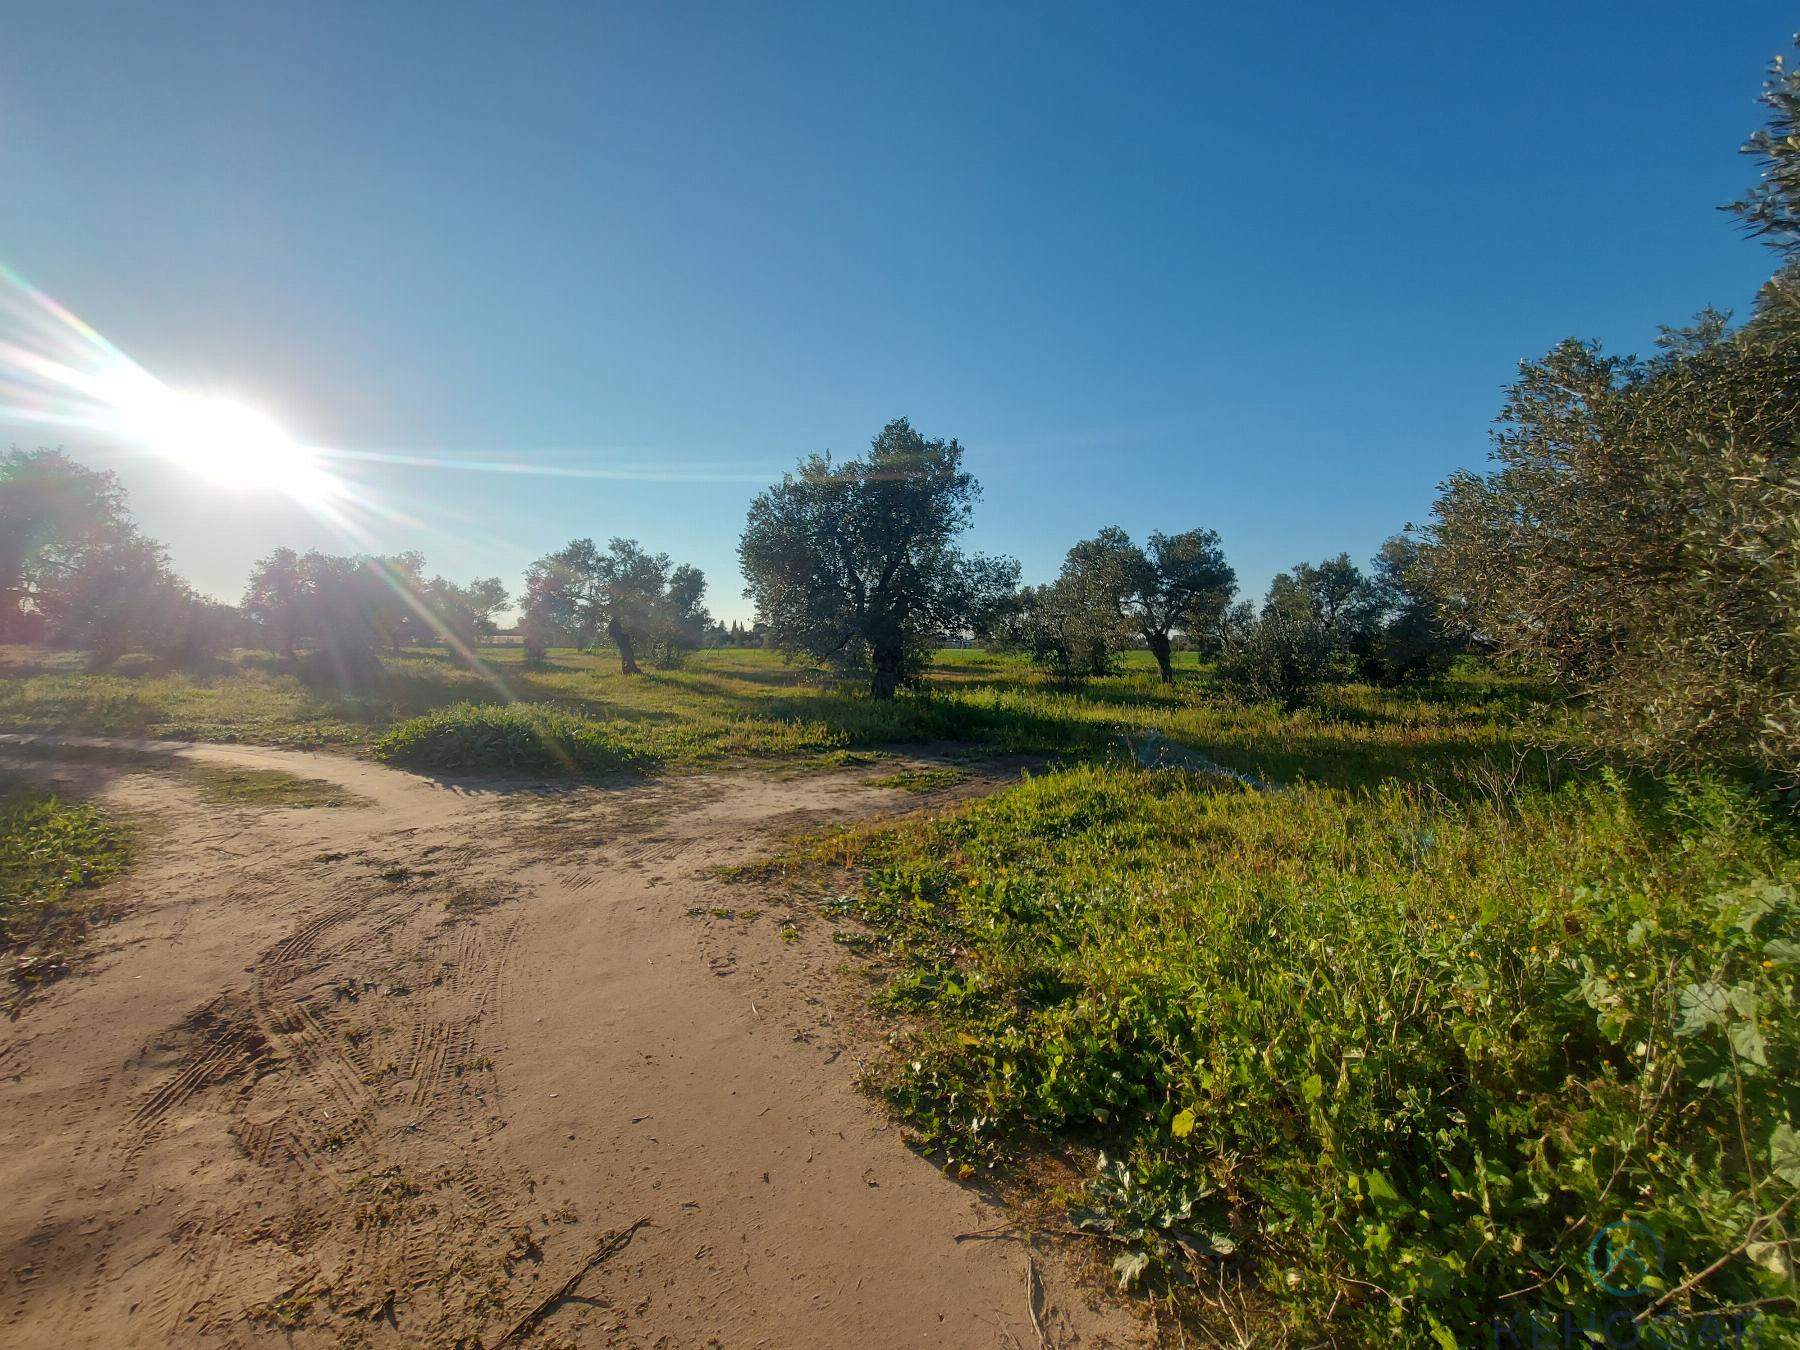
(614, 1242)
(1034, 1287)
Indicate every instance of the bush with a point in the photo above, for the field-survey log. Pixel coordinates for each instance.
(1283, 655)
(1064, 629)
(1412, 646)
(512, 736)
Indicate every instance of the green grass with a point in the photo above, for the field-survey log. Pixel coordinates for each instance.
(518, 736)
(922, 780)
(227, 786)
(1399, 1050)
(53, 851)
(744, 705)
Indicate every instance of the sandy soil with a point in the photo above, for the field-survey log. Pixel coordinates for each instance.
(394, 1075)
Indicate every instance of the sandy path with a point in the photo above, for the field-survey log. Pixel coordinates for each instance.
(390, 1075)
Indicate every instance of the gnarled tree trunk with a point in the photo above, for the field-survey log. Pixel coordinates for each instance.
(890, 661)
(1159, 648)
(622, 640)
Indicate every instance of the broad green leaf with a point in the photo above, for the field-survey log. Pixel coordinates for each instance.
(1702, 1006)
(1130, 1267)
(1782, 952)
(1382, 1193)
(1784, 1153)
(1748, 1042)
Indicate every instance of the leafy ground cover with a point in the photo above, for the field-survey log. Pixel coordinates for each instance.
(53, 851)
(922, 780)
(1401, 1050)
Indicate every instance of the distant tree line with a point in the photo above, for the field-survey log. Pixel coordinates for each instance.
(76, 570)
(858, 563)
(351, 607)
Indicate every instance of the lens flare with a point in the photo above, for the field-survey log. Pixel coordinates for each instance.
(226, 442)
(57, 371)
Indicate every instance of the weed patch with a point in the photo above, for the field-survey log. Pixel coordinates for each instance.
(1400, 1053)
(475, 737)
(264, 787)
(922, 780)
(53, 851)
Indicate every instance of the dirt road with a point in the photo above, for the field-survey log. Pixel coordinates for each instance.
(391, 1075)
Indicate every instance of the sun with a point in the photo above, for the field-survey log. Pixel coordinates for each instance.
(228, 443)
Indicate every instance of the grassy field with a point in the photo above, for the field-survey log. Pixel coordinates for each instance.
(742, 704)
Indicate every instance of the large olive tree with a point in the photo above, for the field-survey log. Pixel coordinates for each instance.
(856, 562)
(75, 568)
(1635, 534)
(56, 517)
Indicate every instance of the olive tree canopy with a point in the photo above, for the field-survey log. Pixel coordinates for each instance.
(856, 562)
(1174, 584)
(631, 595)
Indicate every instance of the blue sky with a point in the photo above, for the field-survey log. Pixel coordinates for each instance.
(1259, 268)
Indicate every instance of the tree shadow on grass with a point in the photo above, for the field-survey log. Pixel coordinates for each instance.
(532, 782)
(1121, 695)
(783, 677)
(917, 719)
(377, 698)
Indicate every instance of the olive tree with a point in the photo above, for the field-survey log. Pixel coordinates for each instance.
(1409, 637)
(1069, 632)
(57, 519)
(630, 595)
(1340, 595)
(857, 563)
(1635, 539)
(75, 569)
(463, 614)
(1634, 536)
(1174, 585)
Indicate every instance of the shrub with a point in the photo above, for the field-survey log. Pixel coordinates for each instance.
(489, 736)
(1283, 655)
(1063, 629)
